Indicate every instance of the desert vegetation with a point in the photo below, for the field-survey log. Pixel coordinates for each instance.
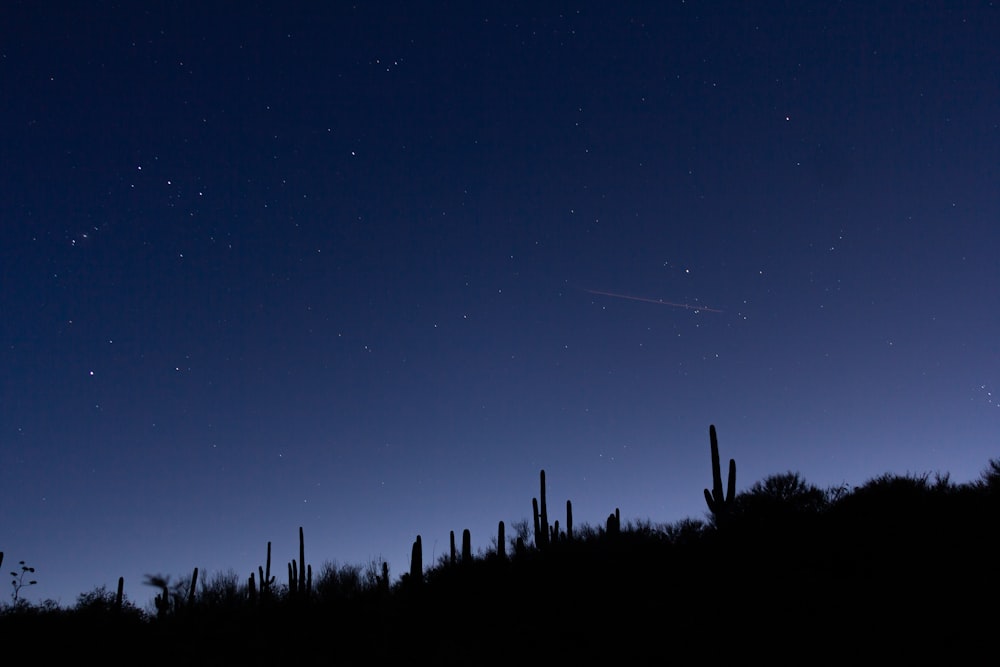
(897, 568)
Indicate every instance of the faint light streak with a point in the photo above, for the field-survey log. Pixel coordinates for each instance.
(660, 302)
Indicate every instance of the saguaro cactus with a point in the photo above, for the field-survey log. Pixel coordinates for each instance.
(266, 580)
(534, 514)
(569, 520)
(466, 547)
(720, 506)
(194, 584)
(162, 604)
(614, 522)
(501, 547)
(416, 561)
(162, 599)
(543, 515)
(118, 596)
(305, 575)
(299, 574)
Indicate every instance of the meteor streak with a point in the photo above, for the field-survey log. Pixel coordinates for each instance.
(661, 302)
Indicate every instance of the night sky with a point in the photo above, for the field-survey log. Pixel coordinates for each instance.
(368, 269)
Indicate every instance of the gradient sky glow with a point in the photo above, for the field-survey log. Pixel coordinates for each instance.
(270, 265)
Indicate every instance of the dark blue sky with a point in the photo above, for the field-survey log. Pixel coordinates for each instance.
(277, 265)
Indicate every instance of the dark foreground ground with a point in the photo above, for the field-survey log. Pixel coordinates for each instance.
(900, 570)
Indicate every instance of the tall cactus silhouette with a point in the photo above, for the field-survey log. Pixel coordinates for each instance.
(614, 522)
(302, 563)
(543, 514)
(720, 506)
(540, 513)
(266, 580)
(299, 574)
(193, 588)
(162, 600)
(569, 520)
(119, 596)
(466, 547)
(534, 514)
(416, 562)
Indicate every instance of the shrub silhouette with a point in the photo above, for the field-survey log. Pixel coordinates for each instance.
(989, 480)
(342, 582)
(778, 499)
(101, 602)
(222, 590)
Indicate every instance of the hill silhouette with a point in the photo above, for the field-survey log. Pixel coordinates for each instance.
(898, 568)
